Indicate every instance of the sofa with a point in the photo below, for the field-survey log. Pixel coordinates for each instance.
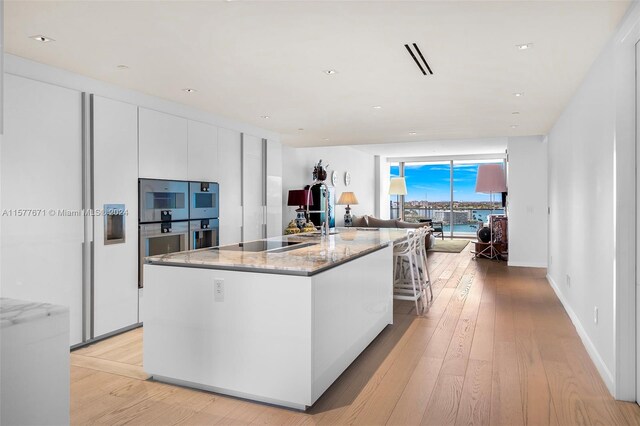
(373, 222)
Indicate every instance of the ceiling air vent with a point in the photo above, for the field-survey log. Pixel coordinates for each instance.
(424, 65)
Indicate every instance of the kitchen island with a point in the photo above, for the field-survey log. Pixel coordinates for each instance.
(275, 320)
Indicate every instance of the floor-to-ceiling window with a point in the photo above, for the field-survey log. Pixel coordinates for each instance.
(471, 208)
(428, 190)
(444, 191)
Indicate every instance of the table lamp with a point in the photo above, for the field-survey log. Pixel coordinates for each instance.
(300, 198)
(347, 198)
(398, 187)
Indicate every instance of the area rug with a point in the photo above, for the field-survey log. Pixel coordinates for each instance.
(449, 246)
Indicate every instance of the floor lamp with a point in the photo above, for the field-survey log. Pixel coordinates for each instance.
(490, 180)
(398, 187)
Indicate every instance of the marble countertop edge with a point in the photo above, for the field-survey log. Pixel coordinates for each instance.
(14, 311)
(324, 252)
(269, 269)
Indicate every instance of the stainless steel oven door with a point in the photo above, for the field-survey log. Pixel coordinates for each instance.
(163, 200)
(161, 238)
(204, 199)
(203, 233)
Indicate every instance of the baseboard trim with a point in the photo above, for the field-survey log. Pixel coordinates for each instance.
(105, 336)
(527, 264)
(588, 344)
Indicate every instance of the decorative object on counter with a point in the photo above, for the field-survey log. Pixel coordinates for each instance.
(320, 172)
(334, 178)
(292, 228)
(302, 199)
(309, 227)
(347, 178)
(347, 198)
(490, 180)
(320, 193)
(398, 187)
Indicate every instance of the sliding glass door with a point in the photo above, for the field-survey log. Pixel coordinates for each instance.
(444, 191)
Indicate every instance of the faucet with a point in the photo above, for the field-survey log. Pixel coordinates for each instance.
(324, 228)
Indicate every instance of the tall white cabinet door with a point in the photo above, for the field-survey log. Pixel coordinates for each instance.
(203, 152)
(253, 189)
(274, 188)
(115, 171)
(162, 145)
(42, 169)
(230, 179)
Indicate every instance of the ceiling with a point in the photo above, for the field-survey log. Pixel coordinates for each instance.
(437, 148)
(247, 60)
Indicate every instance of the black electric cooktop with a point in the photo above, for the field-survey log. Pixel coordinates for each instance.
(257, 246)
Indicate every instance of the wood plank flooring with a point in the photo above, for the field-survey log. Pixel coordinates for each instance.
(496, 347)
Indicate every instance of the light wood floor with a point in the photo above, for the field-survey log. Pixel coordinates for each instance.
(495, 348)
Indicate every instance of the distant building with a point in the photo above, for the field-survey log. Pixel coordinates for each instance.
(459, 216)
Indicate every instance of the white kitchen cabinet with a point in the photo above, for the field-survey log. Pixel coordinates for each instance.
(203, 152)
(41, 249)
(115, 171)
(274, 188)
(253, 188)
(230, 179)
(163, 145)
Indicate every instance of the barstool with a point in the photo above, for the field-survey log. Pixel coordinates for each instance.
(423, 267)
(408, 284)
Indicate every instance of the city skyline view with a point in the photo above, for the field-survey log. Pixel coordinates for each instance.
(431, 182)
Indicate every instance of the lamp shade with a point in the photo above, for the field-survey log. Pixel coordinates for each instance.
(398, 186)
(347, 198)
(490, 178)
(299, 197)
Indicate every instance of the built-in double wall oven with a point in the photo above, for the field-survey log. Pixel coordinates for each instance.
(176, 216)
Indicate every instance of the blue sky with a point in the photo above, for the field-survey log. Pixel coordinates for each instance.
(431, 182)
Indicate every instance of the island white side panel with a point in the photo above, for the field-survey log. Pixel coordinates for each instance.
(255, 343)
(34, 389)
(352, 304)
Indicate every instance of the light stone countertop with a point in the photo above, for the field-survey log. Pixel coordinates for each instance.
(323, 254)
(13, 311)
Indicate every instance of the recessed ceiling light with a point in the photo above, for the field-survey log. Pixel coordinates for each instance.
(513, 126)
(377, 107)
(330, 72)
(189, 90)
(264, 116)
(518, 94)
(43, 39)
(300, 128)
(325, 139)
(122, 67)
(515, 112)
(524, 46)
(412, 133)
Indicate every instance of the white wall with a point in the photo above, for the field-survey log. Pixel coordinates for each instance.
(591, 160)
(297, 169)
(527, 180)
